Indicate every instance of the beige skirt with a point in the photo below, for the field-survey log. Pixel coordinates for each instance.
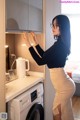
(64, 89)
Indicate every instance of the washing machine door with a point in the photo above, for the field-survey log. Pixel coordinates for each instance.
(36, 112)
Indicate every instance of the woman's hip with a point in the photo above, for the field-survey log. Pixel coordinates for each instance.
(61, 81)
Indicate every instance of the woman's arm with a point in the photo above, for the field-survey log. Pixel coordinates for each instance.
(40, 50)
(36, 44)
(39, 60)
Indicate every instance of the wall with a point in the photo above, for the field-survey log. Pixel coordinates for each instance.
(2, 55)
(23, 51)
(10, 41)
(52, 8)
(16, 45)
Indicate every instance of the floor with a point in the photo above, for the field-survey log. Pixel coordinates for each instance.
(76, 107)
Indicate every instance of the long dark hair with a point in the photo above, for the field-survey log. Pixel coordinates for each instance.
(64, 26)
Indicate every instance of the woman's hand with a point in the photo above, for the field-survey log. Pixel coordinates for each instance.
(26, 37)
(34, 38)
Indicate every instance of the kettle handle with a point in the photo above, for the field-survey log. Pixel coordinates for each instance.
(28, 65)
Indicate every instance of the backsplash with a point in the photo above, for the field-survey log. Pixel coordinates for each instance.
(17, 46)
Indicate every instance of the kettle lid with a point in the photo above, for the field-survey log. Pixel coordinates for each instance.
(20, 58)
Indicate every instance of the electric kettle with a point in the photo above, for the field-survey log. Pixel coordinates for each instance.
(21, 67)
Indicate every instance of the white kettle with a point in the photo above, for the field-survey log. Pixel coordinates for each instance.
(21, 67)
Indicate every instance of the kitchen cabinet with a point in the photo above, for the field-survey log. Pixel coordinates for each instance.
(24, 15)
(35, 15)
(2, 56)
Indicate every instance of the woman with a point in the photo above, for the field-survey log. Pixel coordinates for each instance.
(55, 58)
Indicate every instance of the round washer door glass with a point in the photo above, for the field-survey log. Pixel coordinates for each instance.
(36, 112)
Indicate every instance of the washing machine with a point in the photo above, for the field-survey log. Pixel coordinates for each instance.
(27, 106)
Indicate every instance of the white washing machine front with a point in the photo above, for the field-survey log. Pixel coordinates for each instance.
(27, 106)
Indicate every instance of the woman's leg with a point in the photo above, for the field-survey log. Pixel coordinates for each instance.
(57, 116)
(67, 113)
(62, 107)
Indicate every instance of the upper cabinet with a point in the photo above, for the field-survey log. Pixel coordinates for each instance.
(24, 15)
(35, 15)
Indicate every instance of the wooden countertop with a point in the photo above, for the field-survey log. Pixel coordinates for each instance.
(19, 86)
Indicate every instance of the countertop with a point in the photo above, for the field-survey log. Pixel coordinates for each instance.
(18, 86)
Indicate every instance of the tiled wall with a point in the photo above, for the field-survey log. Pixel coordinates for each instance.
(16, 44)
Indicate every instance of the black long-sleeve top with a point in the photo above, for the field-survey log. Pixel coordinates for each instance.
(54, 57)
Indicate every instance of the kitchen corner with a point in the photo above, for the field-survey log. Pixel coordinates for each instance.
(18, 86)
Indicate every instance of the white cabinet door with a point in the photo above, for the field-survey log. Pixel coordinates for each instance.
(35, 15)
(17, 14)
(24, 15)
